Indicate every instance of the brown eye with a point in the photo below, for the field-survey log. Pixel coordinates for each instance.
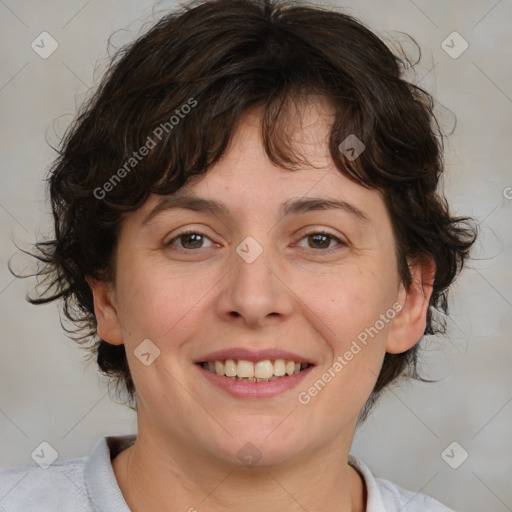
(322, 240)
(189, 240)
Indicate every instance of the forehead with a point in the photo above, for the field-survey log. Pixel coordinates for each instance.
(245, 181)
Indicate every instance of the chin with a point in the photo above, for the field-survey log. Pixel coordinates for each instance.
(260, 449)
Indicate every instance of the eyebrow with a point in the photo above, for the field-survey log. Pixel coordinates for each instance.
(290, 207)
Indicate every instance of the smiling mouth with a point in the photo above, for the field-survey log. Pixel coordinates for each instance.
(261, 371)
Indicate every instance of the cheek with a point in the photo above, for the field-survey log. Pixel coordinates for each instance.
(348, 301)
(347, 310)
(156, 300)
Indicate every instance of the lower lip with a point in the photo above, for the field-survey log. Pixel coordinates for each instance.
(241, 389)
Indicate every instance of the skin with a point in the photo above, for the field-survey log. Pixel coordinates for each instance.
(295, 296)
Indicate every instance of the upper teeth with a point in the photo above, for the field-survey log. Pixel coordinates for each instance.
(260, 370)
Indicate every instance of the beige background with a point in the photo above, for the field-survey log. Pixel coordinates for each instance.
(48, 394)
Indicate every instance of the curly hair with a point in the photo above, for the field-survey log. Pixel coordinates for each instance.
(180, 90)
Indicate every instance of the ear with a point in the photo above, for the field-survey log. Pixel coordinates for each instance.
(108, 326)
(409, 324)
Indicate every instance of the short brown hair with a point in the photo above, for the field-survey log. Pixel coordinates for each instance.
(221, 57)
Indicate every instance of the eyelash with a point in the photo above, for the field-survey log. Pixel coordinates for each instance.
(324, 233)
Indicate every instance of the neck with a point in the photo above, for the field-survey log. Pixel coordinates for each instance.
(154, 475)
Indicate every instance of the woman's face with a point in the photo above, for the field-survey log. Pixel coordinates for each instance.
(258, 275)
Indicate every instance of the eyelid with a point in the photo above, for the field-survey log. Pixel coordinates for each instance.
(319, 230)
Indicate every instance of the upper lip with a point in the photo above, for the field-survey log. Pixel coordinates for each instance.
(252, 355)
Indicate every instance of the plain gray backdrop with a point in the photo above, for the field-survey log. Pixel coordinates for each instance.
(49, 394)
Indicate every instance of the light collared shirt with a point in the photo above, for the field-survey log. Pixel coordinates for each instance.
(88, 484)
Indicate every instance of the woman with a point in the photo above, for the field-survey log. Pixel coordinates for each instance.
(249, 229)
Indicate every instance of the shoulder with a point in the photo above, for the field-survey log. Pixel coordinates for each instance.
(394, 495)
(386, 496)
(34, 488)
(85, 484)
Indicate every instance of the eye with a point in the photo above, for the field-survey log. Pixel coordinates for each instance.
(190, 239)
(322, 240)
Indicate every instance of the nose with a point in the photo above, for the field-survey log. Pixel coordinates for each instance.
(255, 291)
